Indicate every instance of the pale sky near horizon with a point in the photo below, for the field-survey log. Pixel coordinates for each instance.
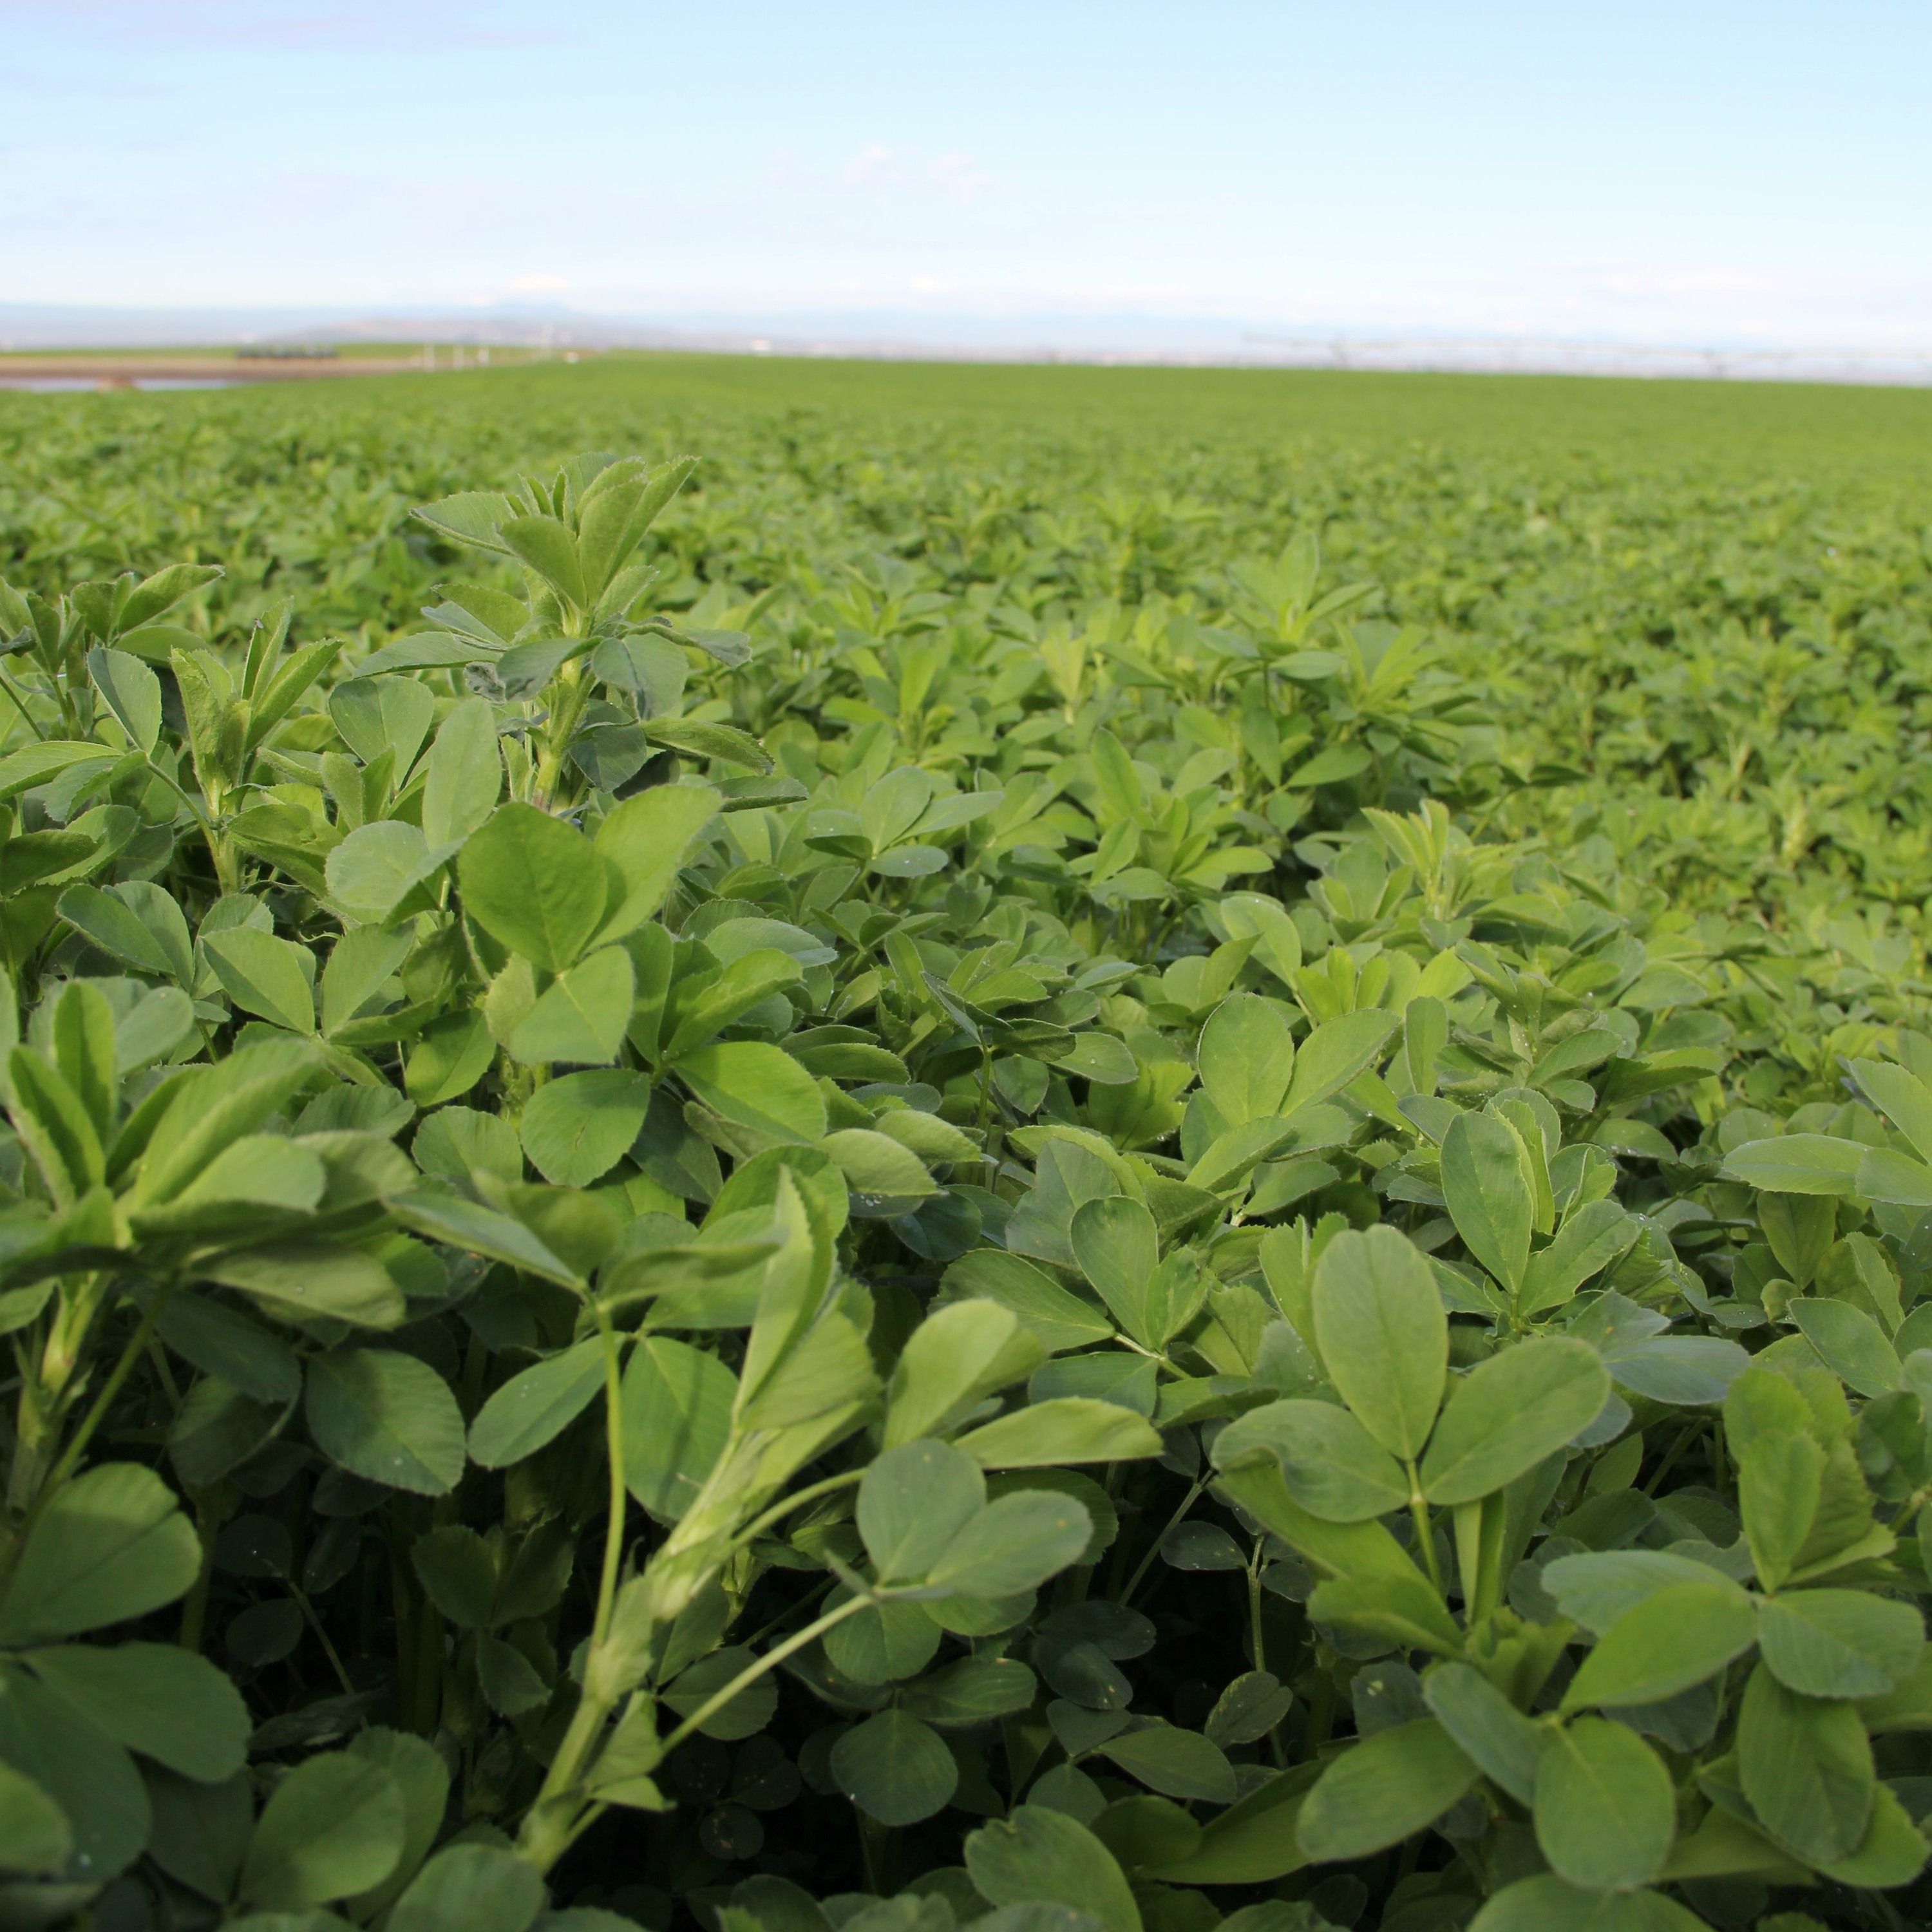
(1703, 171)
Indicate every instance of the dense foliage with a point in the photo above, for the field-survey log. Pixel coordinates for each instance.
(950, 1173)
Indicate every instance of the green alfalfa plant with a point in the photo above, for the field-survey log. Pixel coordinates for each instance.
(1499, 1709)
(618, 1005)
(603, 673)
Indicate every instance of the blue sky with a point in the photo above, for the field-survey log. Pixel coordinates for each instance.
(1700, 171)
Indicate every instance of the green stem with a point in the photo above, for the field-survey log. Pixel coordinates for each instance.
(20, 705)
(811, 1493)
(620, 1496)
(770, 1661)
(314, 1622)
(550, 1828)
(1254, 1608)
(69, 1457)
(1187, 1502)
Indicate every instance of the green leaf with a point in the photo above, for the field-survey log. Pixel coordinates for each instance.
(158, 1699)
(1383, 1338)
(116, 928)
(1491, 1191)
(648, 838)
(217, 1429)
(362, 960)
(534, 883)
(1781, 1478)
(1797, 1164)
(1853, 1345)
(1592, 1237)
(1013, 1544)
(577, 1129)
(1902, 1097)
(1547, 1904)
(454, 1053)
(376, 715)
(300, 1280)
(85, 1051)
(55, 1126)
(1488, 1729)
(1678, 1636)
(1596, 1589)
(677, 1403)
(1892, 1852)
(471, 517)
(1035, 1854)
(1839, 1643)
(1402, 1607)
(131, 691)
(884, 1643)
(85, 1774)
(1885, 1174)
(1806, 1766)
(21, 771)
(1064, 1429)
(262, 974)
(958, 1355)
(1117, 1247)
(1387, 1787)
(1252, 1706)
(463, 774)
(1509, 1413)
(333, 1827)
(382, 870)
(1335, 1053)
(1605, 1813)
(455, 1567)
(532, 1408)
(111, 1546)
(1334, 1468)
(757, 1086)
(1251, 1843)
(445, 1217)
(914, 1501)
(549, 549)
(895, 1769)
(883, 1174)
(470, 1888)
(387, 1416)
(200, 1832)
(751, 1710)
(210, 1110)
(1246, 1058)
(1178, 1763)
(974, 1690)
(34, 1836)
(581, 1015)
(1060, 1319)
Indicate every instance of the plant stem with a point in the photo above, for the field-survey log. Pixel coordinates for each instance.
(620, 1496)
(69, 1457)
(752, 1673)
(1425, 1536)
(1187, 1502)
(1254, 1608)
(314, 1622)
(759, 1525)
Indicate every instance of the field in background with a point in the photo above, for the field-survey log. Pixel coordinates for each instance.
(1698, 611)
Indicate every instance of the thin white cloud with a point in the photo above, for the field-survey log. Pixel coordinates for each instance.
(955, 176)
